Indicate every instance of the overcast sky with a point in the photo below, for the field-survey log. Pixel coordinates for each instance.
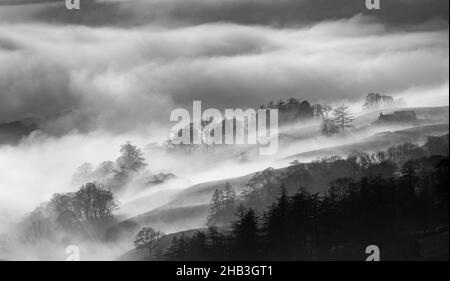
(119, 65)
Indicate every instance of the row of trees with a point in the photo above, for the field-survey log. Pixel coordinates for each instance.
(87, 212)
(337, 120)
(385, 198)
(222, 205)
(338, 224)
(114, 174)
(263, 187)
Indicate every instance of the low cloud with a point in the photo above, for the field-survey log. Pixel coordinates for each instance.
(113, 71)
(84, 78)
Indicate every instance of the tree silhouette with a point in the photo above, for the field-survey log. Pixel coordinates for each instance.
(94, 203)
(197, 246)
(328, 127)
(146, 239)
(276, 227)
(62, 205)
(245, 234)
(131, 159)
(218, 246)
(343, 117)
(222, 206)
(369, 200)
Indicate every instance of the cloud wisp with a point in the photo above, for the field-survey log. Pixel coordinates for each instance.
(86, 79)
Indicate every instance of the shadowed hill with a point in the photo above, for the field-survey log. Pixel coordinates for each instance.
(189, 209)
(12, 132)
(377, 142)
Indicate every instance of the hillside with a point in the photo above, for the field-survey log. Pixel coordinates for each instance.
(189, 208)
(161, 246)
(377, 142)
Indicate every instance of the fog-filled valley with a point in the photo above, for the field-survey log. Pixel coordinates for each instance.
(88, 158)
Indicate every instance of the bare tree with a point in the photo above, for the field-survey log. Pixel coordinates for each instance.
(146, 239)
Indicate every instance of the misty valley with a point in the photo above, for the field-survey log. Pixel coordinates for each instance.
(253, 135)
(370, 180)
